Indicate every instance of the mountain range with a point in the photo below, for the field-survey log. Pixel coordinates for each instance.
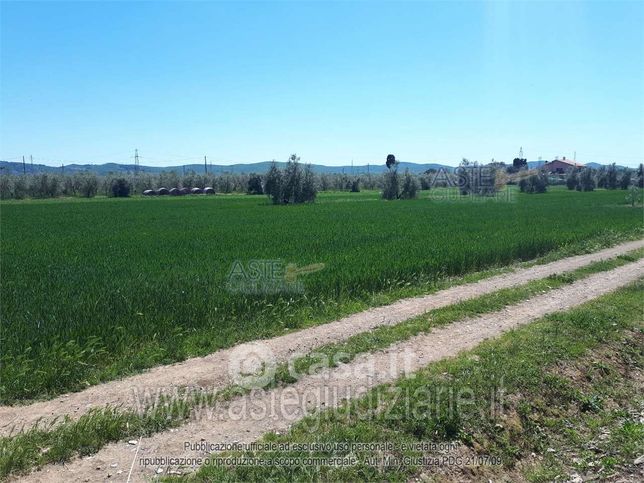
(17, 168)
(260, 168)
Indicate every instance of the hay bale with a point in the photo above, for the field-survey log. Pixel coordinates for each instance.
(149, 193)
(185, 191)
(209, 190)
(196, 191)
(163, 191)
(175, 191)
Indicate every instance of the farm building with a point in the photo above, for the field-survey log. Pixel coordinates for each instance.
(560, 166)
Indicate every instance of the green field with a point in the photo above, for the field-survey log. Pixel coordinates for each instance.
(95, 289)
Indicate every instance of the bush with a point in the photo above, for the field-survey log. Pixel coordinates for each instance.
(355, 186)
(309, 189)
(625, 181)
(537, 183)
(391, 185)
(410, 187)
(273, 184)
(292, 181)
(476, 180)
(43, 186)
(255, 185)
(586, 180)
(86, 185)
(425, 183)
(5, 187)
(611, 177)
(120, 188)
(572, 180)
(292, 185)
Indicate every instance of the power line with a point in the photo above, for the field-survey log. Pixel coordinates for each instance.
(136, 161)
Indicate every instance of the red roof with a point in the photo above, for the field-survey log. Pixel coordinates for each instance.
(565, 161)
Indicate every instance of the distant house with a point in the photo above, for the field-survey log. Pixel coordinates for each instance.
(560, 166)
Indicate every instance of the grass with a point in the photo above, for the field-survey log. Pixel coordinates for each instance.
(97, 289)
(61, 440)
(552, 388)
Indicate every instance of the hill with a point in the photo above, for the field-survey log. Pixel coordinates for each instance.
(261, 167)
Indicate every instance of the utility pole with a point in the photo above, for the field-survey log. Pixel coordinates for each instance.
(31, 158)
(205, 165)
(136, 161)
(24, 167)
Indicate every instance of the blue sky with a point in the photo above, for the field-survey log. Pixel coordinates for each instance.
(246, 82)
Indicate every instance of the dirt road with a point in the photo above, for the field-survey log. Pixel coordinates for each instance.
(212, 371)
(246, 418)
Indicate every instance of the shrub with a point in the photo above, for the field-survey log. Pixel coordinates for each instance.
(633, 196)
(391, 185)
(537, 183)
(5, 187)
(586, 180)
(86, 185)
(425, 183)
(255, 185)
(410, 187)
(611, 177)
(476, 180)
(309, 189)
(43, 186)
(292, 181)
(625, 180)
(120, 188)
(355, 186)
(273, 184)
(292, 185)
(572, 180)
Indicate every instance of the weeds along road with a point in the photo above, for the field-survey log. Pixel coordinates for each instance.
(237, 421)
(212, 372)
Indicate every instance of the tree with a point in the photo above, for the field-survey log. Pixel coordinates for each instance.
(355, 185)
(120, 188)
(86, 184)
(611, 177)
(292, 185)
(640, 176)
(409, 187)
(292, 181)
(309, 190)
(537, 183)
(572, 180)
(255, 185)
(519, 164)
(475, 179)
(602, 178)
(391, 161)
(625, 180)
(586, 180)
(273, 184)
